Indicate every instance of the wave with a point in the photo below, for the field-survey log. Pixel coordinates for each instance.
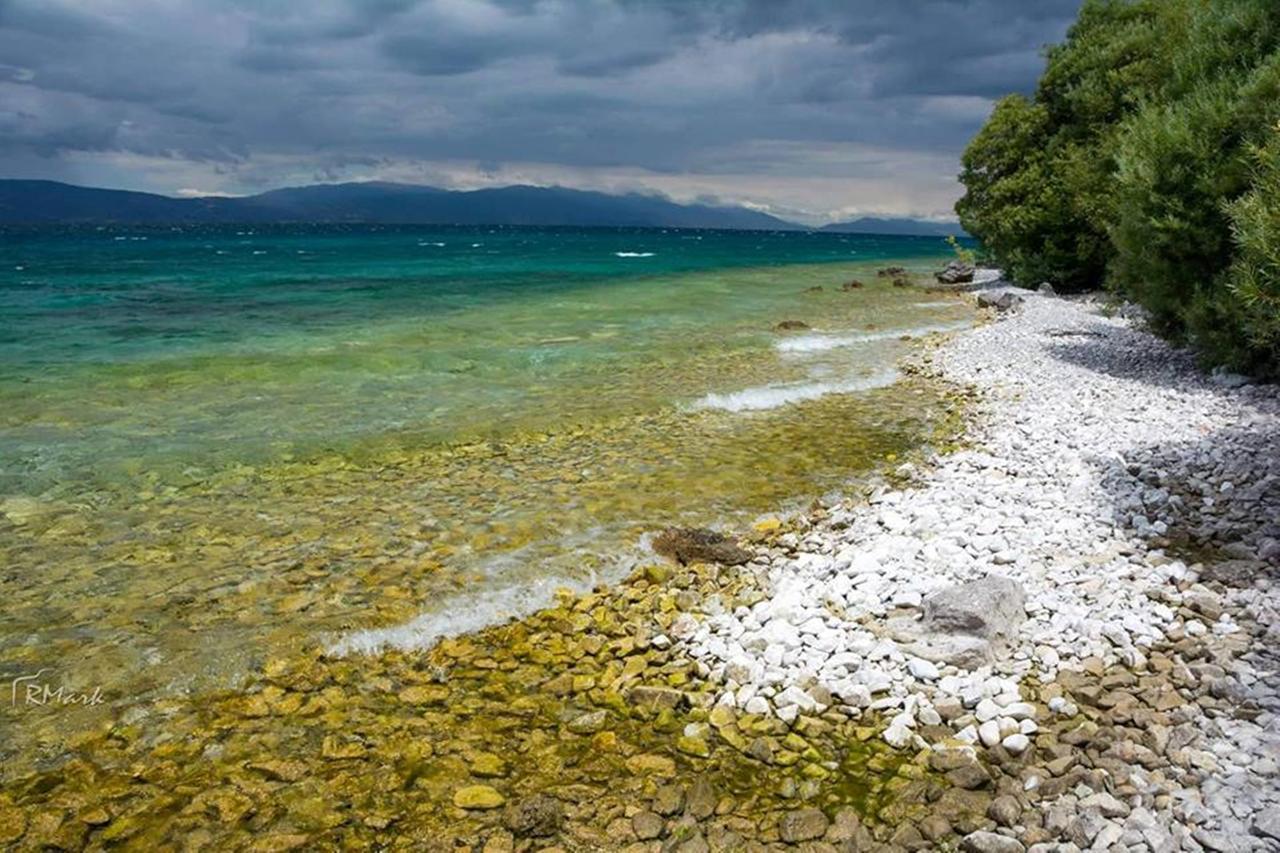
(438, 244)
(633, 254)
(822, 342)
(516, 584)
(773, 396)
(466, 614)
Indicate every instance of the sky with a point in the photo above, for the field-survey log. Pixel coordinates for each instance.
(813, 110)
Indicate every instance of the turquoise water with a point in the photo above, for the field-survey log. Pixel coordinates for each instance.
(216, 443)
(155, 344)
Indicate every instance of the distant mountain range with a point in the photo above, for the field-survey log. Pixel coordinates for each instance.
(906, 227)
(48, 202)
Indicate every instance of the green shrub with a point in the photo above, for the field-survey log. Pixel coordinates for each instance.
(1253, 280)
(1147, 160)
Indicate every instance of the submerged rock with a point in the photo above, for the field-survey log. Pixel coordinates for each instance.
(698, 545)
(891, 272)
(791, 326)
(537, 816)
(851, 285)
(802, 825)
(478, 797)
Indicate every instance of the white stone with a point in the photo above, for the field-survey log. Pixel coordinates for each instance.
(1016, 744)
(922, 670)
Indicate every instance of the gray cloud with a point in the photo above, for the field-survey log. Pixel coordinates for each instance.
(866, 103)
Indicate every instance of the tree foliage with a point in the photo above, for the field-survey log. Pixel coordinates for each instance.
(1148, 160)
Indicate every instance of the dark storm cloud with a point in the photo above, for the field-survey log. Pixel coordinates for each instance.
(276, 92)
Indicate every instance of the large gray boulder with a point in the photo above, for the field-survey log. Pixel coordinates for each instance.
(964, 625)
(991, 608)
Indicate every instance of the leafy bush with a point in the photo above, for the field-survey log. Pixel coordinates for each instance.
(1253, 281)
(1147, 160)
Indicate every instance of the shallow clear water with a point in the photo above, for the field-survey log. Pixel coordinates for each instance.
(217, 442)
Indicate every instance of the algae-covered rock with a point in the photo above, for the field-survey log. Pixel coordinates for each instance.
(13, 824)
(655, 697)
(588, 723)
(692, 745)
(478, 797)
(279, 842)
(488, 765)
(425, 694)
(651, 764)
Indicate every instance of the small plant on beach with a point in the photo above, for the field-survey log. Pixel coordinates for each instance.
(964, 255)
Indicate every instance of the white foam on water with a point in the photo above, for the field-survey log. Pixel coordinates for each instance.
(465, 614)
(633, 254)
(823, 342)
(773, 396)
(497, 599)
(440, 244)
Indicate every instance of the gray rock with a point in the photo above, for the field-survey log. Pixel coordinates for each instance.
(917, 639)
(1220, 842)
(990, 842)
(1267, 823)
(702, 799)
(1237, 573)
(1047, 289)
(802, 825)
(1005, 810)
(647, 825)
(1086, 827)
(1002, 302)
(992, 607)
(955, 272)
(1105, 803)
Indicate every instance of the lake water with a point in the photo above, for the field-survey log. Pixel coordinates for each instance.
(220, 442)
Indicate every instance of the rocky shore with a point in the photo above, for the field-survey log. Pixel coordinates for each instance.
(1061, 637)
(1086, 597)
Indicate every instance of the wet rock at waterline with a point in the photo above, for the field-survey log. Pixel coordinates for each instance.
(687, 545)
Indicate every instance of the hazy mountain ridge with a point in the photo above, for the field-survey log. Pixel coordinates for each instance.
(896, 226)
(36, 202)
(30, 202)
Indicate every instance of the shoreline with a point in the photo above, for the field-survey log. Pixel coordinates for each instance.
(590, 726)
(883, 609)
